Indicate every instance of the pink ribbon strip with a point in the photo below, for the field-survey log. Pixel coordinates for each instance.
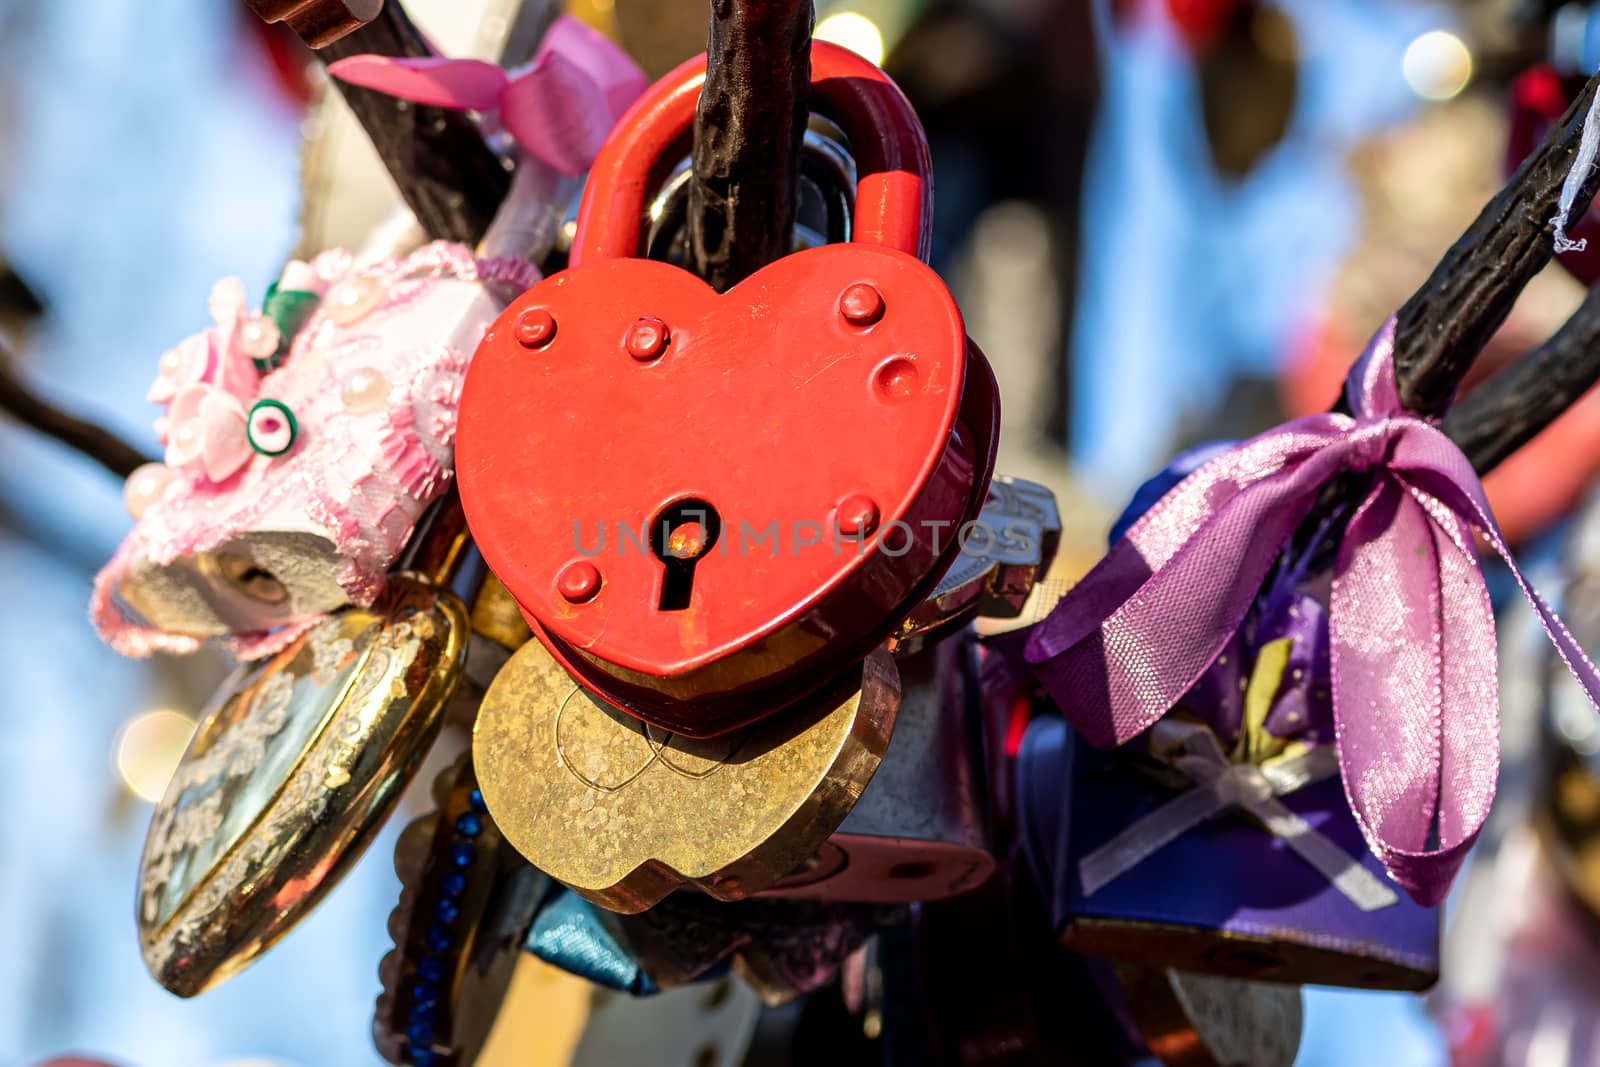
(559, 109)
(1415, 692)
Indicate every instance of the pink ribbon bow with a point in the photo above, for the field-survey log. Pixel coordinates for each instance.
(1415, 692)
(559, 109)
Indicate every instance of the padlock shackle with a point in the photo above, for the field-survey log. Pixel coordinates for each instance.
(894, 192)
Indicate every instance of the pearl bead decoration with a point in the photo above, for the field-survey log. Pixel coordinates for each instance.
(354, 299)
(145, 486)
(364, 390)
(259, 338)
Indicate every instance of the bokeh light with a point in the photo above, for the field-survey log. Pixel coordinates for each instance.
(148, 749)
(1437, 65)
(849, 29)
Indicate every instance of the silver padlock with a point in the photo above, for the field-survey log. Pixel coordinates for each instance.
(920, 830)
(1004, 554)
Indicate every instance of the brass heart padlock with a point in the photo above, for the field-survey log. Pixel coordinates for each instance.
(625, 812)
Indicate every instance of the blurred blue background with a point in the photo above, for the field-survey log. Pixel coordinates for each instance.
(145, 152)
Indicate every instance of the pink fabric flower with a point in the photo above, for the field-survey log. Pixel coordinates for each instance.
(180, 367)
(212, 357)
(206, 432)
(231, 369)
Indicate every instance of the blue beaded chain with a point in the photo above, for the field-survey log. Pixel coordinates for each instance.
(432, 970)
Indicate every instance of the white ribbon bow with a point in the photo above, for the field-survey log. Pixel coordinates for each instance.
(1221, 787)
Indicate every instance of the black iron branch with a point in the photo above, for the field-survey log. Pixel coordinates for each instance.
(1509, 410)
(32, 410)
(1444, 326)
(448, 176)
(748, 132)
(318, 22)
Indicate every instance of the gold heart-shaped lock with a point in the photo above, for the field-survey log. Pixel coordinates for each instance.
(625, 813)
(300, 757)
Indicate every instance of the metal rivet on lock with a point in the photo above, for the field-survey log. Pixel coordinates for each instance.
(861, 305)
(856, 515)
(647, 338)
(579, 582)
(535, 328)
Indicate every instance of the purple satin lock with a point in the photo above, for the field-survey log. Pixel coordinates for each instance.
(1410, 631)
(1227, 897)
(1207, 871)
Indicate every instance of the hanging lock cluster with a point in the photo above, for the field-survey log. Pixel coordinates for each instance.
(736, 539)
(719, 513)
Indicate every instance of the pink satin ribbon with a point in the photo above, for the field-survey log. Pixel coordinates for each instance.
(559, 109)
(1414, 680)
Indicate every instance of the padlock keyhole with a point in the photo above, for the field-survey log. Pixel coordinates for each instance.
(680, 538)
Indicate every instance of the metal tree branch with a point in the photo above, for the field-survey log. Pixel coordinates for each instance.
(748, 130)
(526, 30)
(449, 178)
(318, 22)
(28, 408)
(1444, 326)
(1509, 410)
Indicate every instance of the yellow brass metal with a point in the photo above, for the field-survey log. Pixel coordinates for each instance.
(624, 813)
(496, 616)
(1195, 1020)
(299, 759)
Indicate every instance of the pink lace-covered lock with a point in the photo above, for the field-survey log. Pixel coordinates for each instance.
(303, 443)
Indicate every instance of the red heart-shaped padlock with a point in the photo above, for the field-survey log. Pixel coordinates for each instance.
(697, 497)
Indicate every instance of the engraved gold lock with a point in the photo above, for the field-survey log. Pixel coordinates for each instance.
(624, 812)
(298, 761)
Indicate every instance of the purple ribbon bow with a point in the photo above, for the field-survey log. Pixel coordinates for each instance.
(1413, 663)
